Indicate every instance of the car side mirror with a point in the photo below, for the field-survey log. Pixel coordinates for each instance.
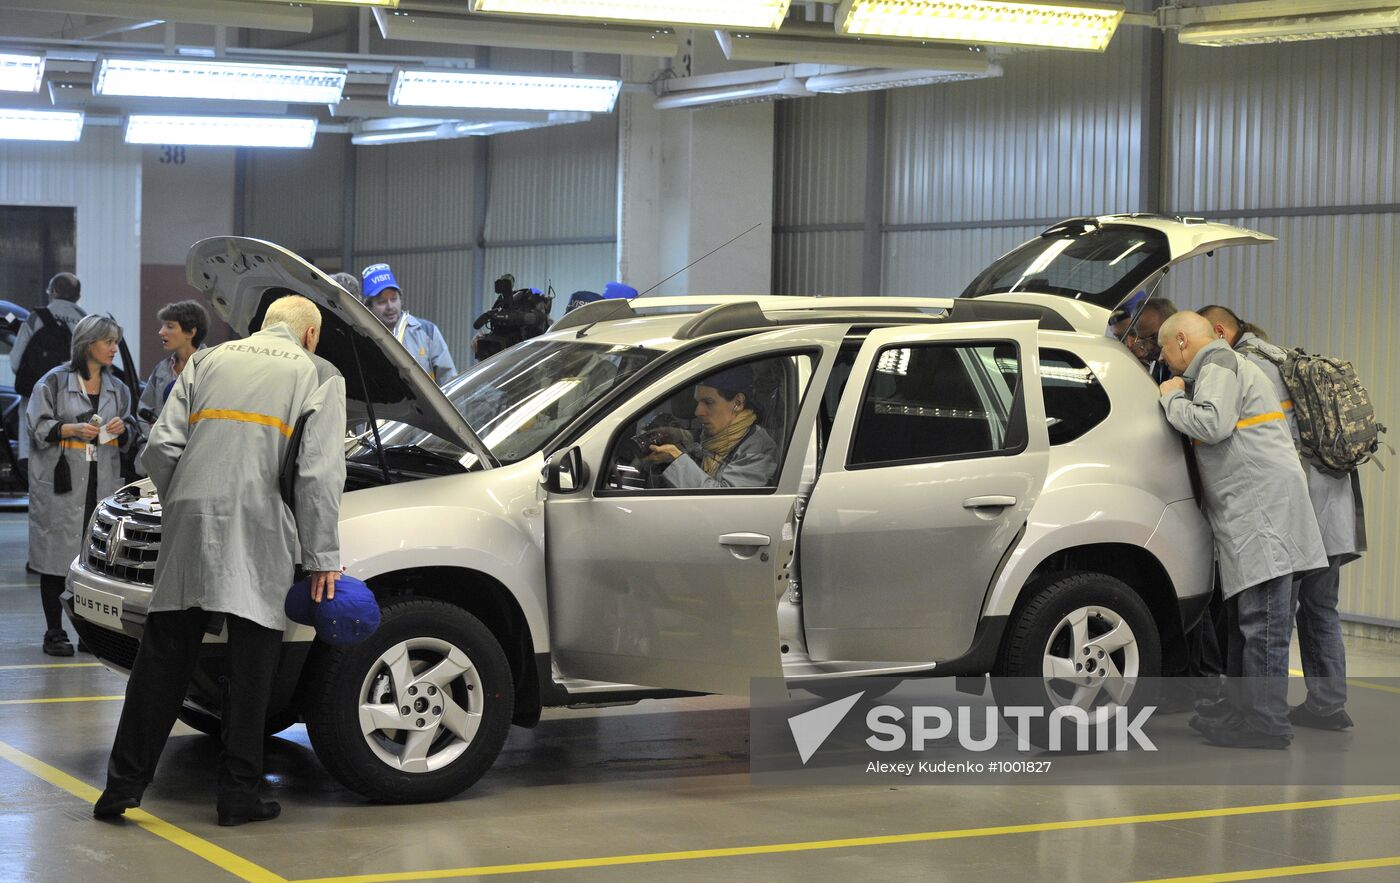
(566, 472)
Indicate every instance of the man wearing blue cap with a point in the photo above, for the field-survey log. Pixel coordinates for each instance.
(420, 337)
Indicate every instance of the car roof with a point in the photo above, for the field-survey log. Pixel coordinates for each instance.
(663, 323)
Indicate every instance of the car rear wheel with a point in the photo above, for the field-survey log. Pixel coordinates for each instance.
(416, 713)
(1084, 640)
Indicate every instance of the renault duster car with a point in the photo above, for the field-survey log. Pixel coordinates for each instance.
(961, 486)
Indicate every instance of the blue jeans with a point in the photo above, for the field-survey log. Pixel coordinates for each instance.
(1320, 638)
(1261, 620)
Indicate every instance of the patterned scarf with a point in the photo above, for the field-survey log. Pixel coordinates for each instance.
(718, 447)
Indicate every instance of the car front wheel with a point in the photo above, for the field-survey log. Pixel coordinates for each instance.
(418, 711)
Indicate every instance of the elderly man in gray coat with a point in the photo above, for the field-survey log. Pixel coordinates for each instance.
(1336, 501)
(231, 542)
(1256, 499)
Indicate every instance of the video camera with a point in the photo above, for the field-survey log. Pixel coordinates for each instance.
(518, 314)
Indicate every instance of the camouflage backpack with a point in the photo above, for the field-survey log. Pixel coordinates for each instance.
(1337, 425)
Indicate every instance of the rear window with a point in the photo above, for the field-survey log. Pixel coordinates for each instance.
(1075, 401)
(1101, 265)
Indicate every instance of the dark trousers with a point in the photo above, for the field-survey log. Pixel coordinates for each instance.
(50, 592)
(1261, 622)
(169, 650)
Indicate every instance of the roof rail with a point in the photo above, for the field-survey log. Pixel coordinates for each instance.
(725, 317)
(980, 310)
(598, 311)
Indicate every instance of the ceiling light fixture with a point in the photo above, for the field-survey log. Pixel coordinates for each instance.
(424, 88)
(221, 131)
(20, 73)
(727, 96)
(228, 13)
(1060, 25)
(40, 125)
(1361, 23)
(219, 80)
(757, 46)
(875, 80)
(483, 31)
(389, 3)
(375, 132)
(766, 14)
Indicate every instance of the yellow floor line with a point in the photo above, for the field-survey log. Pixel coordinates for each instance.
(215, 855)
(59, 699)
(53, 665)
(1353, 682)
(1291, 871)
(884, 840)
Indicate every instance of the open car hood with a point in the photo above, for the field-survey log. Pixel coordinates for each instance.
(1110, 261)
(242, 277)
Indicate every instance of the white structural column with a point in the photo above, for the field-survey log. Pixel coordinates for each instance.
(689, 180)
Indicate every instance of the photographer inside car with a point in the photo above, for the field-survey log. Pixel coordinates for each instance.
(732, 451)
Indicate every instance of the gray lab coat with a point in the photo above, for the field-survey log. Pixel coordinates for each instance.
(1343, 531)
(229, 542)
(56, 529)
(69, 314)
(425, 343)
(752, 463)
(154, 395)
(1256, 494)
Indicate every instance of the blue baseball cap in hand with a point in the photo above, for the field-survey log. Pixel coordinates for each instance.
(376, 278)
(348, 618)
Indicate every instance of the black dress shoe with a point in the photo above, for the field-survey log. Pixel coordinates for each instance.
(1214, 709)
(111, 804)
(56, 643)
(261, 811)
(1245, 736)
(1302, 716)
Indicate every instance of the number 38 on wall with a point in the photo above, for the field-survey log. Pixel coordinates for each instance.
(172, 154)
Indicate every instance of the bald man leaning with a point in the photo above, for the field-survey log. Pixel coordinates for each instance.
(1256, 499)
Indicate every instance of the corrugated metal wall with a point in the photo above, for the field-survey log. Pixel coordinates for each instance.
(294, 197)
(1057, 135)
(1294, 139)
(100, 177)
(940, 263)
(819, 182)
(414, 196)
(552, 211)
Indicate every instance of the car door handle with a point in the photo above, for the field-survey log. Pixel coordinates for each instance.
(989, 501)
(744, 539)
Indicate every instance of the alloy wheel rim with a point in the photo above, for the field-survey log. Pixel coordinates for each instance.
(1091, 659)
(420, 705)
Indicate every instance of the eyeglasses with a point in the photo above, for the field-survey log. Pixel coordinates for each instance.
(1141, 344)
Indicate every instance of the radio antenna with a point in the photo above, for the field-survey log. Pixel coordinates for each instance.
(696, 261)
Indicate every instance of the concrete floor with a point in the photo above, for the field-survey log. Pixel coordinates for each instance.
(655, 790)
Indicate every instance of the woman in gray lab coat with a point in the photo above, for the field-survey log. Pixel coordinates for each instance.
(734, 450)
(76, 422)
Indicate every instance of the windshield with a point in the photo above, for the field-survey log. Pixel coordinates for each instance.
(1101, 265)
(519, 399)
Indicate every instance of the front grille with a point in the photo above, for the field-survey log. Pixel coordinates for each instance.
(107, 645)
(124, 545)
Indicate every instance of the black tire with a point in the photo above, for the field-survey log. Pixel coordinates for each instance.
(1037, 632)
(210, 725)
(339, 679)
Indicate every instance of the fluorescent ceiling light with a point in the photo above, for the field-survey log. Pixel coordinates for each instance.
(220, 131)
(389, 3)
(756, 46)
(420, 88)
(482, 31)
(40, 125)
(874, 80)
(1292, 29)
(222, 80)
(20, 73)
(766, 14)
(228, 13)
(1061, 25)
(724, 96)
(437, 130)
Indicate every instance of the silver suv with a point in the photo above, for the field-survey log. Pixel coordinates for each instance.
(953, 487)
